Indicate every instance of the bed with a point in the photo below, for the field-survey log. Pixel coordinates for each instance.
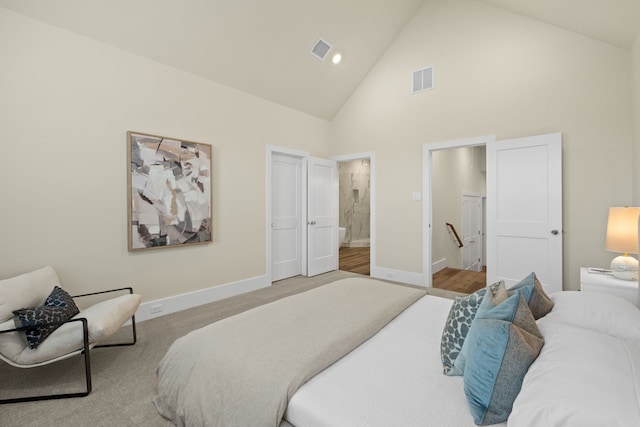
(371, 369)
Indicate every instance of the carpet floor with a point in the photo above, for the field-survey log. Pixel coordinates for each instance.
(124, 377)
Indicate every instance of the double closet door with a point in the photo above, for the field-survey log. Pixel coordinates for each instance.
(304, 216)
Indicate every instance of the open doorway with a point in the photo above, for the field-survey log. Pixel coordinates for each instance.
(455, 244)
(457, 209)
(356, 213)
(518, 171)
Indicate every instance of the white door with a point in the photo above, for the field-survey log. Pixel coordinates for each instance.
(287, 221)
(322, 216)
(471, 232)
(524, 210)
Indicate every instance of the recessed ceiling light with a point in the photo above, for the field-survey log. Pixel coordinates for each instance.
(336, 58)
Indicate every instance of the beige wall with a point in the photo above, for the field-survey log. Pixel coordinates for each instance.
(68, 101)
(503, 74)
(66, 104)
(635, 67)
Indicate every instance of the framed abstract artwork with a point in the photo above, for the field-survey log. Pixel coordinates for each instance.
(169, 192)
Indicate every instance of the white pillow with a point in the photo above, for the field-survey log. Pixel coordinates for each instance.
(599, 312)
(581, 378)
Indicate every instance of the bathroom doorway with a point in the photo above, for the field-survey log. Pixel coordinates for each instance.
(355, 214)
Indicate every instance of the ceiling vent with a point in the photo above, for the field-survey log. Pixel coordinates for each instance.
(422, 80)
(321, 49)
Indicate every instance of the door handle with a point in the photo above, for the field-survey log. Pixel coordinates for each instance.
(555, 232)
(311, 222)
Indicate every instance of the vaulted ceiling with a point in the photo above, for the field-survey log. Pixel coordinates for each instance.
(612, 21)
(262, 47)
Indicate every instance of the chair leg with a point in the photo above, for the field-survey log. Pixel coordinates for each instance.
(134, 337)
(87, 373)
(87, 366)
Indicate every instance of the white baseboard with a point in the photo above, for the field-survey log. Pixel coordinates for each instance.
(398, 276)
(161, 307)
(439, 265)
(164, 306)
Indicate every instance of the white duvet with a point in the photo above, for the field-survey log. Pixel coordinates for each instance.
(587, 374)
(393, 379)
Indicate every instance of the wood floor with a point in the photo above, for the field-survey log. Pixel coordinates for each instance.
(453, 279)
(355, 260)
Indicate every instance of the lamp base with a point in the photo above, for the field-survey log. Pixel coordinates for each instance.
(624, 267)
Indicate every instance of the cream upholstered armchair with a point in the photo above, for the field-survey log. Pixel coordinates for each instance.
(40, 323)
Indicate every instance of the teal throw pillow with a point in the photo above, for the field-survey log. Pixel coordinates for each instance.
(503, 342)
(494, 306)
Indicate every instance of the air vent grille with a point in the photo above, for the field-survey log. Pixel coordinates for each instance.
(422, 80)
(321, 48)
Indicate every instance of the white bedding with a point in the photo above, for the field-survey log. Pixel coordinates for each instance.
(242, 370)
(389, 380)
(587, 374)
(581, 378)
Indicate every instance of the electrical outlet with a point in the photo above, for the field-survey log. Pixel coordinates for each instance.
(155, 309)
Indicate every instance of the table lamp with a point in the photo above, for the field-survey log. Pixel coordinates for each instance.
(622, 236)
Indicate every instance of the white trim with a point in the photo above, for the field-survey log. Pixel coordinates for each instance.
(427, 213)
(270, 149)
(371, 155)
(289, 151)
(397, 276)
(472, 194)
(483, 231)
(203, 296)
(439, 265)
(304, 212)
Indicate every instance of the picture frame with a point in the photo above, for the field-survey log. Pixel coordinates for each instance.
(169, 192)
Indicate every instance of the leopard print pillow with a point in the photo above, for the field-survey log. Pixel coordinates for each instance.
(58, 307)
(458, 323)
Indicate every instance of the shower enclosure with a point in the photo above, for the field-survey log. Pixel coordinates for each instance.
(355, 209)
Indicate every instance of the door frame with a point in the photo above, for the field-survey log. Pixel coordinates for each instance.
(371, 155)
(427, 209)
(270, 150)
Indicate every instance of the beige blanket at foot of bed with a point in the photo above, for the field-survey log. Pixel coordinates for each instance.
(242, 370)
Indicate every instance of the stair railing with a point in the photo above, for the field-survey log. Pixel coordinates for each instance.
(455, 233)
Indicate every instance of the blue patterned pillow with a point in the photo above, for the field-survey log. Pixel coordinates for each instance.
(504, 341)
(58, 307)
(59, 298)
(457, 326)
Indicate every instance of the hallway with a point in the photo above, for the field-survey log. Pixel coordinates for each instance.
(453, 279)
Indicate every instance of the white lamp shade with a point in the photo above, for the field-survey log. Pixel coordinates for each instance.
(622, 236)
(622, 230)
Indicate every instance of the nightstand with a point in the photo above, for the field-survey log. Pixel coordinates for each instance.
(607, 284)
